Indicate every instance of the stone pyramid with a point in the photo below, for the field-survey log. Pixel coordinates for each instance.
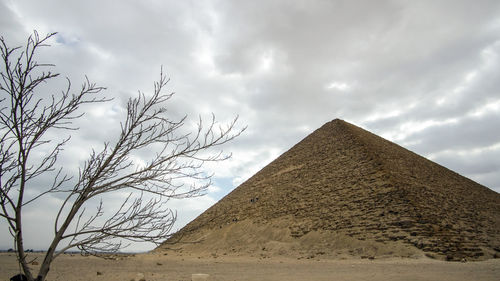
(343, 190)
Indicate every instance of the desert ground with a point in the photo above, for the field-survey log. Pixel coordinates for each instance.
(158, 266)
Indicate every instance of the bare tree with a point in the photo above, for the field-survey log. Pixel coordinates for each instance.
(26, 118)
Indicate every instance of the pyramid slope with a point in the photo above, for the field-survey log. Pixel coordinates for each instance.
(344, 182)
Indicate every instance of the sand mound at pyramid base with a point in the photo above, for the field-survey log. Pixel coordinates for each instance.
(245, 238)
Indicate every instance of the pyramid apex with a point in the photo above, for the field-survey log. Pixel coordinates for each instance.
(334, 127)
(337, 121)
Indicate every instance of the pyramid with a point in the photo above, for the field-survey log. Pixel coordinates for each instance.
(343, 190)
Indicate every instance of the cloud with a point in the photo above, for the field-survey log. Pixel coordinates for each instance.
(422, 74)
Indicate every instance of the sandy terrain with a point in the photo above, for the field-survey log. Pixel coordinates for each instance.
(175, 267)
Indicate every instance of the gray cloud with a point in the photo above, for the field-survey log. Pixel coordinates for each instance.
(421, 73)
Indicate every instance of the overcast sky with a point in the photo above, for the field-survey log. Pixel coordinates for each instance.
(424, 74)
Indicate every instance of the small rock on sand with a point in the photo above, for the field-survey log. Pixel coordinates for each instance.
(199, 277)
(139, 277)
